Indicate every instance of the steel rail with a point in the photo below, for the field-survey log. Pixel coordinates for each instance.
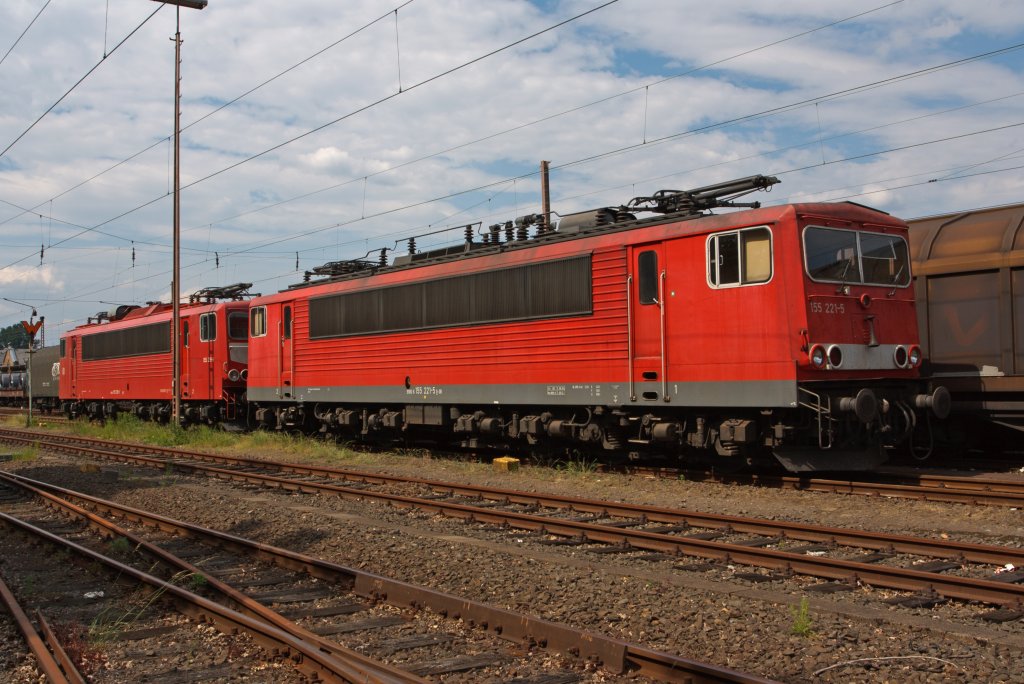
(66, 664)
(937, 488)
(308, 658)
(369, 669)
(876, 541)
(45, 660)
(616, 656)
(934, 488)
(948, 586)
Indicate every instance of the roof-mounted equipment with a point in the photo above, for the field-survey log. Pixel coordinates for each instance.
(334, 269)
(209, 295)
(703, 199)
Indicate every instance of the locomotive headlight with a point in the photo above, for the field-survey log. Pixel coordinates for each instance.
(835, 356)
(915, 356)
(900, 356)
(233, 375)
(817, 356)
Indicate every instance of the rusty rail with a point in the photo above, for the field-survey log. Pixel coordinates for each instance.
(66, 664)
(616, 656)
(309, 659)
(877, 541)
(46, 661)
(937, 488)
(948, 586)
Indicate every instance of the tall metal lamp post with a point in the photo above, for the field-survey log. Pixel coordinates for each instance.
(176, 277)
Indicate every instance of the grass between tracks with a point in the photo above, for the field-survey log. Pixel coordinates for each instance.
(303, 449)
(275, 445)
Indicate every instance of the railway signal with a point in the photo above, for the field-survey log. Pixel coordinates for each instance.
(31, 328)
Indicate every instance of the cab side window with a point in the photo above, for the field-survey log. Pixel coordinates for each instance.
(647, 276)
(258, 321)
(208, 327)
(741, 257)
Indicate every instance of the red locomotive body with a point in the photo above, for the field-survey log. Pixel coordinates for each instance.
(123, 361)
(790, 328)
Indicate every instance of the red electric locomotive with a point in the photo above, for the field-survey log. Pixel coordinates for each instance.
(788, 330)
(123, 360)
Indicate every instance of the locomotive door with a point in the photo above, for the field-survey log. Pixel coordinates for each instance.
(286, 349)
(648, 351)
(185, 365)
(73, 368)
(206, 354)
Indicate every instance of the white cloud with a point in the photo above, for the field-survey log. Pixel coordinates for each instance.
(32, 277)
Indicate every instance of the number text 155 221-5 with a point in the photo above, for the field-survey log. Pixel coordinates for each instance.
(828, 307)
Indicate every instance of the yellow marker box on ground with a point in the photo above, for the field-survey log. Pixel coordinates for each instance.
(505, 464)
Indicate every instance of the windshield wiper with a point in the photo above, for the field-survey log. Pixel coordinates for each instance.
(896, 279)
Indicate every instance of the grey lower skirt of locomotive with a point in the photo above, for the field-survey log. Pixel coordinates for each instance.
(828, 426)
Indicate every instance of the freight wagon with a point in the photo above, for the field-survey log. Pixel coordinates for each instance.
(969, 269)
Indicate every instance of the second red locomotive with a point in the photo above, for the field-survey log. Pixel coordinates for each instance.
(122, 361)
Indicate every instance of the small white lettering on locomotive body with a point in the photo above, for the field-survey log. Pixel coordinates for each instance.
(425, 391)
(555, 390)
(592, 390)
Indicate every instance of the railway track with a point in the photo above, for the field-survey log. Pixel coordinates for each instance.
(319, 604)
(52, 660)
(36, 415)
(110, 594)
(929, 570)
(922, 487)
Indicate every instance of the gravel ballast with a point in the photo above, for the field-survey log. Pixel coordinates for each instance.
(773, 630)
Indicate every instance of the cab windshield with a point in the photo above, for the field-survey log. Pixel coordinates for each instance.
(854, 256)
(238, 325)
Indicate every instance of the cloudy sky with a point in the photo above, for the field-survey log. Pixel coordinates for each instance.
(317, 130)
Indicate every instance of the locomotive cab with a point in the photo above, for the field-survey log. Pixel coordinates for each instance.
(857, 371)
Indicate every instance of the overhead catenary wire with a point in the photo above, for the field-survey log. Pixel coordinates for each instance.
(472, 142)
(532, 173)
(79, 81)
(714, 125)
(22, 34)
(663, 139)
(711, 126)
(215, 111)
(431, 79)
